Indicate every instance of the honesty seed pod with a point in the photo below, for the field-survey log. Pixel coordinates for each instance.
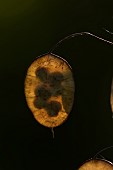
(111, 98)
(49, 90)
(97, 164)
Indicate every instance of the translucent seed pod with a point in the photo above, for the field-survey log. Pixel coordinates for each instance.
(49, 90)
(111, 98)
(97, 164)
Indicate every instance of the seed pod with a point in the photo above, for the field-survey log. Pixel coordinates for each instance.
(97, 164)
(111, 97)
(49, 90)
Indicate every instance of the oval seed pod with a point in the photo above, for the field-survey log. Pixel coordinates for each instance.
(49, 90)
(111, 97)
(97, 164)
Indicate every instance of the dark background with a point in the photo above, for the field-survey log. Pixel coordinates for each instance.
(29, 29)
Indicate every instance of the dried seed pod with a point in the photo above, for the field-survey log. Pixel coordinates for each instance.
(49, 90)
(111, 97)
(97, 164)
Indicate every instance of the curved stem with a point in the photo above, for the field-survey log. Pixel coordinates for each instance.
(78, 34)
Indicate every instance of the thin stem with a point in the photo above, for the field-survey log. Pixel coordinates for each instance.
(98, 153)
(78, 34)
(53, 134)
(108, 31)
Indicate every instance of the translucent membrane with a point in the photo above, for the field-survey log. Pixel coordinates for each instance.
(49, 90)
(111, 97)
(97, 164)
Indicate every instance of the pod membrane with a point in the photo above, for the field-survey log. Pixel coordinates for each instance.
(49, 90)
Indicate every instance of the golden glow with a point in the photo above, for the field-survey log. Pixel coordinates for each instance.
(96, 165)
(54, 65)
(111, 97)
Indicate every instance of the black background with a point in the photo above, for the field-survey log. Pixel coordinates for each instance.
(29, 29)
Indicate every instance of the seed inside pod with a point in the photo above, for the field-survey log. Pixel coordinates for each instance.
(49, 90)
